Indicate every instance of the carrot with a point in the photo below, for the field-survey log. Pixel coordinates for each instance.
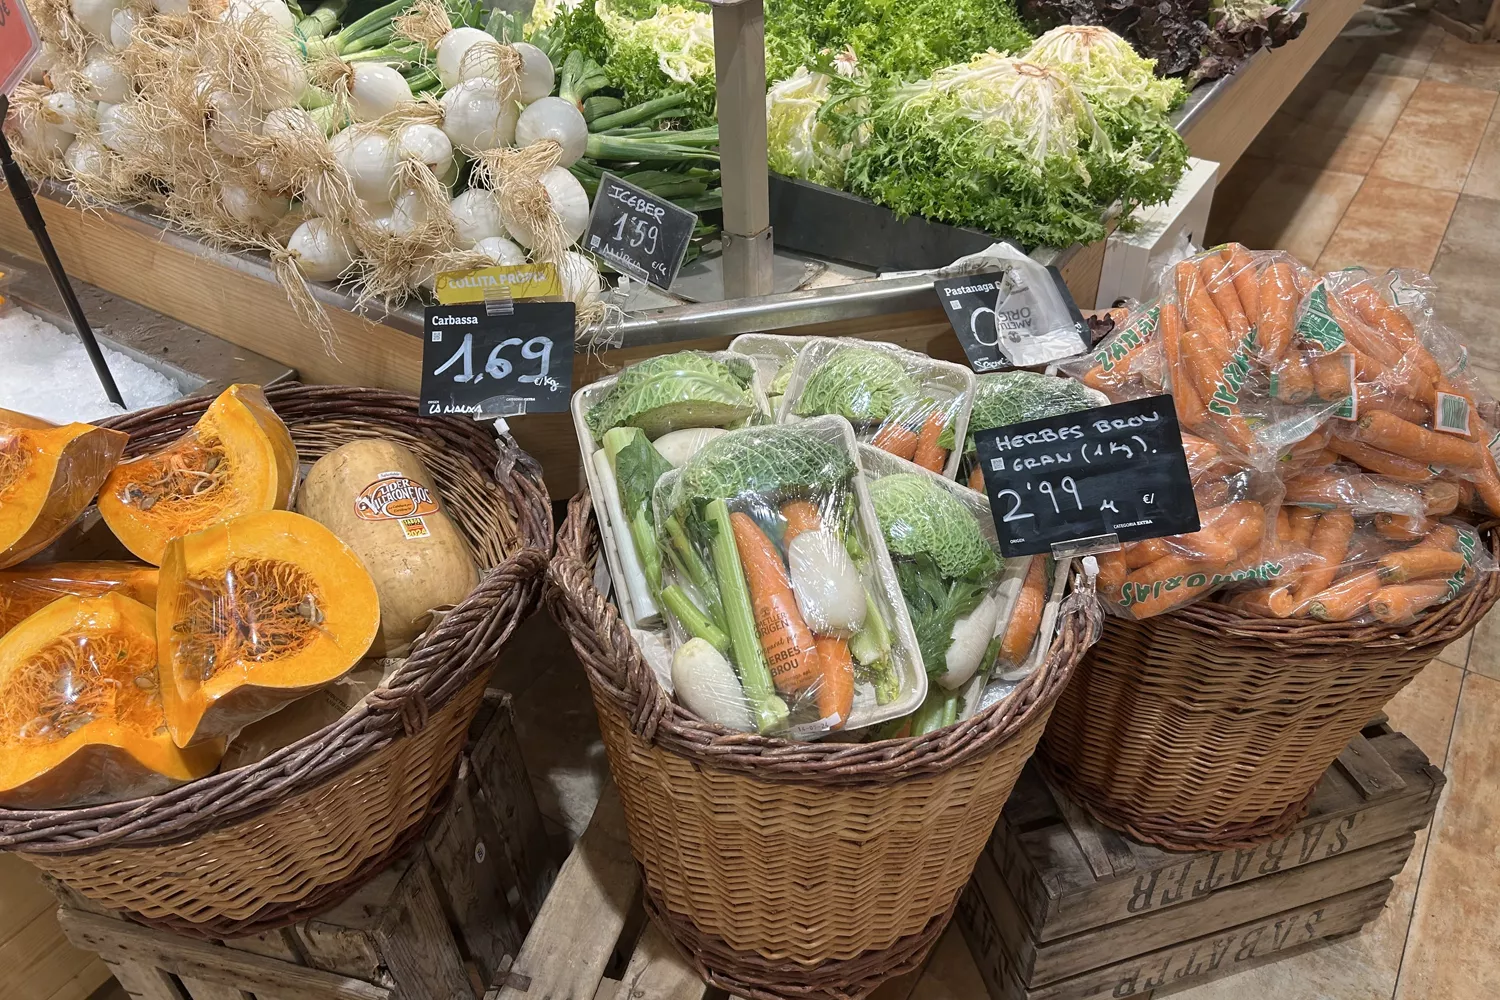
(1312, 444)
(1441, 497)
(1175, 591)
(1283, 525)
(1198, 309)
(1383, 462)
(1420, 562)
(1402, 527)
(976, 479)
(1373, 396)
(897, 439)
(1203, 545)
(1386, 430)
(1444, 536)
(1372, 309)
(1329, 544)
(801, 516)
(1026, 615)
(1208, 362)
(1218, 278)
(928, 454)
(1201, 454)
(1331, 377)
(1303, 521)
(1294, 381)
(1278, 298)
(1236, 528)
(1185, 398)
(1402, 602)
(1267, 602)
(1112, 574)
(1144, 553)
(788, 643)
(836, 692)
(1347, 598)
(1246, 280)
(1322, 488)
(1487, 481)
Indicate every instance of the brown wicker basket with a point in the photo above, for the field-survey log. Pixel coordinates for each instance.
(782, 869)
(1207, 728)
(267, 844)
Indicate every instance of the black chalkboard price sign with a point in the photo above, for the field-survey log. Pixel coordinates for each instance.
(1116, 469)
(1017, 317)
(638, 233)
(491, 360)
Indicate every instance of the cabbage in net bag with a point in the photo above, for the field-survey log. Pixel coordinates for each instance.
(785, 611)
(902, 402)
(81, 718)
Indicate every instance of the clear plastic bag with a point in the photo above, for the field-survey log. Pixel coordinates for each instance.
(785, 610)
(902, 402)
(308, 715)
(1005, 398)
(774, 356)
(81, 712)
(27, 589)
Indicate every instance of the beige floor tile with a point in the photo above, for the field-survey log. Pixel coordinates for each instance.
(1484, 657)
(1484, 173)
(1295, 209)
(1458, 61)
(1434, 141)
(1425, 708)
(1466, 270)
(1389, 224)
(1233, 191)
(1346, 130)
(1450, 952)
(1405, 54)
(1456, 654)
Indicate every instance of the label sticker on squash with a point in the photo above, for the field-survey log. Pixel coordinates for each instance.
(414, 527)
(393, 497)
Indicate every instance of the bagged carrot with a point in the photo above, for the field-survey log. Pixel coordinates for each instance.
(1398, 604)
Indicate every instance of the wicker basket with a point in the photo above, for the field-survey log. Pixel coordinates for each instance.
(781, 869)
(1209, 729)
(272, 842)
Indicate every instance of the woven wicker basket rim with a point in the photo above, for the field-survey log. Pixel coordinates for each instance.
(398, 707)
(619, 672)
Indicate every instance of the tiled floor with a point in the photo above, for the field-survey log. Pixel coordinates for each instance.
(1388, 155)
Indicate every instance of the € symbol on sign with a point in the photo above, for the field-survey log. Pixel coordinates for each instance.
(1148, 498)
(1109, 505)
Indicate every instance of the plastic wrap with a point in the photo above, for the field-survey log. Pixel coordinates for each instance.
(1005, 398)
(81, 713)
(27, 589)
(905, 403)
(634, 426)
(306, 716)
(785, 610)
(774, 356)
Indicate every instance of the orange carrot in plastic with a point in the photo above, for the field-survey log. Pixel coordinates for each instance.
(1278, 298)
(1026, 615)
(896, 439)
(1399, 603)
(1267, 602)
(1198, 309)
(1382, 429)
(1185, 398)
(1420, 562)
(1329, 544)
(1112, 574)
(801, 516)
(928, 454)
(1218, 278)
(836, 691)
(791, 654)
(1246, 280)
(1345, 599)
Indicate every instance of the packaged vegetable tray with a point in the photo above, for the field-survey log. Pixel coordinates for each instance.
(976, 615)
(906, 403)
(634, 426)
(774, 355)
(786, 613)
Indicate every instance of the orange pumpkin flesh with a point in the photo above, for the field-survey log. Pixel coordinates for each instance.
(26, 590)
(236, 459)
(254, 613)
(48, 475)
(80, 714)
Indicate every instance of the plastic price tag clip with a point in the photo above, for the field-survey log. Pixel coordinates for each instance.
(1085, 551)
(498, 301)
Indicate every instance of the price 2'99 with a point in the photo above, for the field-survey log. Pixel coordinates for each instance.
(1067, 486)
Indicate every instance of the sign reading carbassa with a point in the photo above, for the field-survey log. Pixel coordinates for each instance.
(497, 360)
(1116, 470)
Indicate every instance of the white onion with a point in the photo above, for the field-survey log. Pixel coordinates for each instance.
(172, 6)
(122, 25)
(322, 252)
(409, 213)
(501, 250)
(452, 48)
(106, 79)
(290, 125)
(285, 79)
(115, 127)
(370, 159)
(85, 157)
(377, 90)
(244, 10)
(251, 205)
(579, 277)
(476, 216)
(554, 118)
(569, 201)
(426, 144)
(37, 71)
(229, 115)
(94, 15)
(476, 119)
(47, 138)
(537, 74)
(68, 112)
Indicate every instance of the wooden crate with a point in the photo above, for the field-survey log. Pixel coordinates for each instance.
(39, 962)
(591, 940)
(439, 924)
(1063, 908)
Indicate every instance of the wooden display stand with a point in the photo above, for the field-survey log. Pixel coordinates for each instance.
(438, 925)
(1061, 908)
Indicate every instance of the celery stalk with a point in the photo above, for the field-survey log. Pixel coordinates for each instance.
(692, 619)
(770, 711)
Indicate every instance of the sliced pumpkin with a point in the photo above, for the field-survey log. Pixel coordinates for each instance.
(80, 708)
(236, 459)
(28, 589)
(254, 613)
(48, 475)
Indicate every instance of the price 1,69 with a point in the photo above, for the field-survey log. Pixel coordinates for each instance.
(642, 235)
(497, 367)
(1068, 487)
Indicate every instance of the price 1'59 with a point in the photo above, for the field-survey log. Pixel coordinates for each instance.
(641, 235)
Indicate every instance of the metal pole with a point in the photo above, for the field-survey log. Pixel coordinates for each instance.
(21, 191)
(740, 73)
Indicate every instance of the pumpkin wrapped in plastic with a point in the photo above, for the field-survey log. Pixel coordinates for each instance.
(81, 717)
(25, 590)
(48, 475)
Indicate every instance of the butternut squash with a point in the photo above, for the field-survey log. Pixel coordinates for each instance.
(80, 710)
(28, 589)
(236, 459)
(378, 498)
(48, 475)
(253, 613)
